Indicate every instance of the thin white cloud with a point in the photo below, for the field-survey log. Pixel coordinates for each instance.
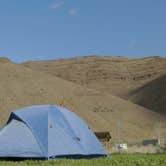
(72, 12)
(57, 5)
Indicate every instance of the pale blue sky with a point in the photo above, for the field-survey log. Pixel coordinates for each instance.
(53, 29)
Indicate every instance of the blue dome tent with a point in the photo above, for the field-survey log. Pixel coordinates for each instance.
(48, 132)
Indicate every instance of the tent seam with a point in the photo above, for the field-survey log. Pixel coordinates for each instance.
(37, 140)
(85, 151)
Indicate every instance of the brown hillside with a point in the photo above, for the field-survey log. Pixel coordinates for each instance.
(152, 95)
(118, 76)
(21, 86)
(4, 60)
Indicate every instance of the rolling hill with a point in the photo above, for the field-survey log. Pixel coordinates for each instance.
(118, 76)
(23, 86)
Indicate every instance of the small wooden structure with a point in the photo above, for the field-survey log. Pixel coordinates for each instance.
(104, 138)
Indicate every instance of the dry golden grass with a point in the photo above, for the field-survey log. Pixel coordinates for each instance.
(119, 76)
(21, 86)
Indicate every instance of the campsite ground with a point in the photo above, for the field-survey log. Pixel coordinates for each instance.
(115, 160)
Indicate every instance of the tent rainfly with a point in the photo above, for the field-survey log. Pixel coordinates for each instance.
(48, 132)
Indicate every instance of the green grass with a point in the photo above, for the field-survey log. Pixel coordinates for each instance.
(116, 160)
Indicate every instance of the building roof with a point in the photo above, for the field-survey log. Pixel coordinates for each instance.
(103, 135)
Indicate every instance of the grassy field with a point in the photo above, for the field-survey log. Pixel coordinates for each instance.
(116, 160)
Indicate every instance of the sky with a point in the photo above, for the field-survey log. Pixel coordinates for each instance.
(54, 29)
